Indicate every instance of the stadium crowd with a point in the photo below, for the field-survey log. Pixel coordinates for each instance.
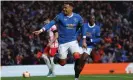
(19, 19)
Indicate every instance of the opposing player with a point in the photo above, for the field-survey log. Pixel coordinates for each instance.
(91, 36)
(51, 49)
(68, 24)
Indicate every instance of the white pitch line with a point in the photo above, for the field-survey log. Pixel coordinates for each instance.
(110, 76)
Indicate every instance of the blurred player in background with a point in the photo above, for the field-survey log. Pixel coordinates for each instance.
(51, 49)
(68, 24)
(91, 36)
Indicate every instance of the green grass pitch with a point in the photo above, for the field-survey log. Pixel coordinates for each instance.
(82, 77)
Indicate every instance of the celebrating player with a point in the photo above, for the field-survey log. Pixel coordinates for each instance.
(91, 36)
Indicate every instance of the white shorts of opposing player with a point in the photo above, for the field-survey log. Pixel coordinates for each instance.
(63, 49)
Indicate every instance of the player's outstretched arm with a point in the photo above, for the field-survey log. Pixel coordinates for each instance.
(38, 32)
(46, 27)
(49, 25)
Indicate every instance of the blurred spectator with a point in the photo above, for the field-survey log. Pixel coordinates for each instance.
(9, 60)
(19, 59)
(97, 55)
(130, 57)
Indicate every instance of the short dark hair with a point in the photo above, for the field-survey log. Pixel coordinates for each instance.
(89, 16)
(69, 2)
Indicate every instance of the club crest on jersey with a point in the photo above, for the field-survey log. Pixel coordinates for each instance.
(75, 20)
(65, 19)
(88, 34)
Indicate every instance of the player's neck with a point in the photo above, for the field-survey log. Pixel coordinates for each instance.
(70, 14)
(91, 25)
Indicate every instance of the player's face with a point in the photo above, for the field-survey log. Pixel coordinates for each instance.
(67, 9)
(92, 19)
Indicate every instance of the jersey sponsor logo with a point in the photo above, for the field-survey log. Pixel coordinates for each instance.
(70, 26)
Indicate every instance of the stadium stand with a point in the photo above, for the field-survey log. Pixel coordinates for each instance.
(20, 18)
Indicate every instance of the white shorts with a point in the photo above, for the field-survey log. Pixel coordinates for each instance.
(88, 50)
(72, 46)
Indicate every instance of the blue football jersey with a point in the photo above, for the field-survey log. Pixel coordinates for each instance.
(67, 26)
(92, 33)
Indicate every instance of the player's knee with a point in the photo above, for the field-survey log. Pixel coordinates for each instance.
(62, 62)
(44, 56)
(76, 55)
(78, 67)
(84, 56)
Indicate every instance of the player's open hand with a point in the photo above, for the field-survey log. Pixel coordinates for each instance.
(84, 45)
(36, 32)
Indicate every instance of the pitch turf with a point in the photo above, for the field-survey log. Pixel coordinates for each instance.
(82, 77)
